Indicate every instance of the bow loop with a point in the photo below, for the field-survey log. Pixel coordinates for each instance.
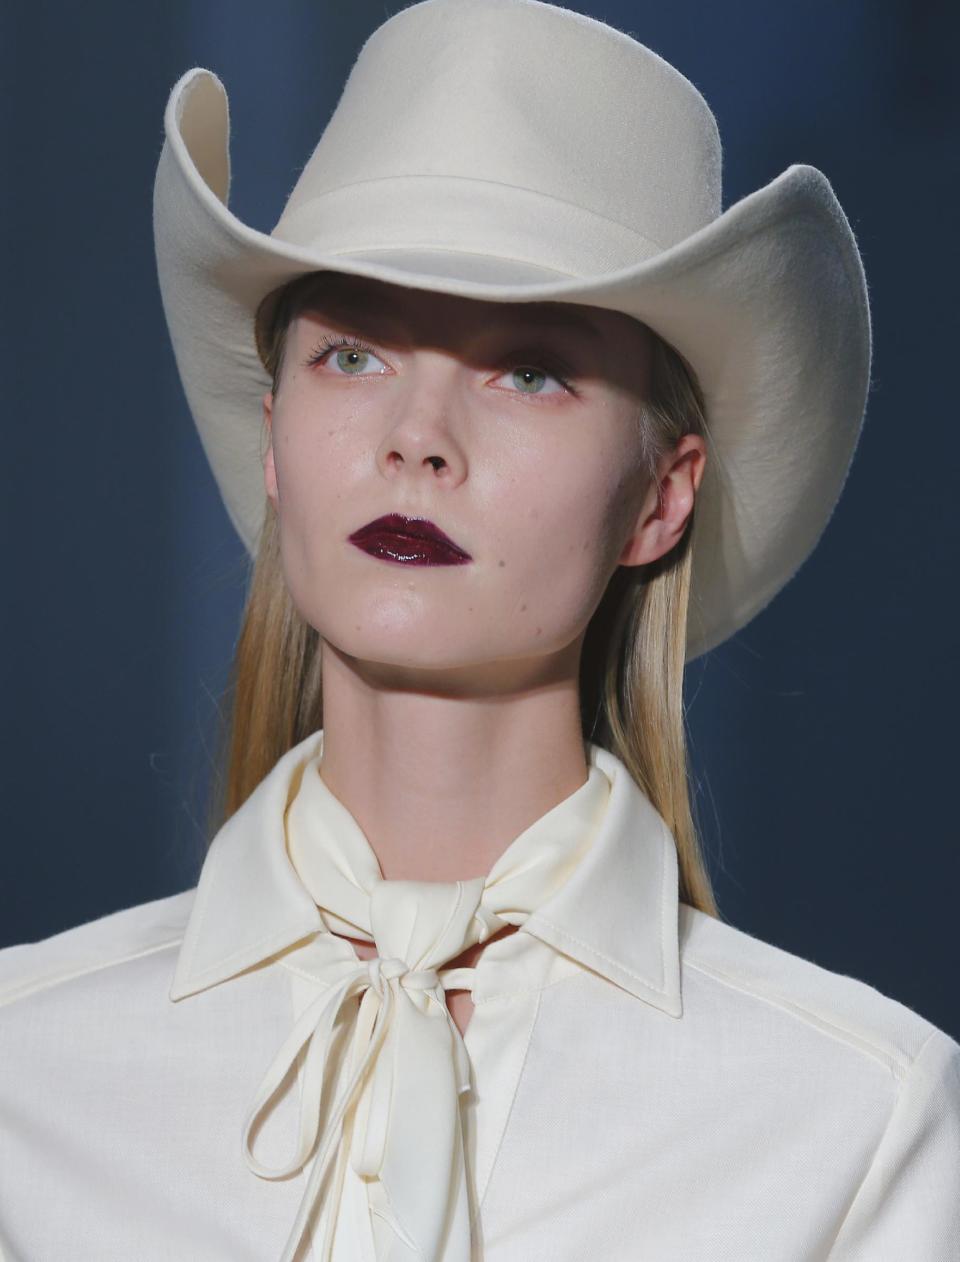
(315, 1026)
(381, 984)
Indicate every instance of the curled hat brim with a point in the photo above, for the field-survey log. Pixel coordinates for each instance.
(768, 303)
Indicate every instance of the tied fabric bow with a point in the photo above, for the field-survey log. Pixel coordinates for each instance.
(398, 1108)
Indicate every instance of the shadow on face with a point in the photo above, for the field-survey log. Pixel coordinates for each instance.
(592, 343)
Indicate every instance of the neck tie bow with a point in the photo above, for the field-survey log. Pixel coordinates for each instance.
(396, 1115)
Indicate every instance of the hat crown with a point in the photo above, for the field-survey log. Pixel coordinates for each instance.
(512, 128)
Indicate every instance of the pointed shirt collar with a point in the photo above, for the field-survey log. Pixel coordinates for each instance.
(617, 913)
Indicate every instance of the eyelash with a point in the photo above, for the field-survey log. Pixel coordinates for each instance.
(328, 344)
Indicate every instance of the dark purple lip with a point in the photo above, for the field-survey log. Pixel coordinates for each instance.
(410, 540)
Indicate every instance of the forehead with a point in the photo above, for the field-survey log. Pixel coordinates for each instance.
(350, 298)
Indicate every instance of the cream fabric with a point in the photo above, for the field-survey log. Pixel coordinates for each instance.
(407, 1064)
(648, 1084)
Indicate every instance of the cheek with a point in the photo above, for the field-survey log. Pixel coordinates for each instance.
(312, 476)
(313, 465)
(560, 529)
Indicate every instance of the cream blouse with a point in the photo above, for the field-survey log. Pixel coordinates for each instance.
(648, 1084)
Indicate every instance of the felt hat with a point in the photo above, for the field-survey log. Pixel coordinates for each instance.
(513, 150)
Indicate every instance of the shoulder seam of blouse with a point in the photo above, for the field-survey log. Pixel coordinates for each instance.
(892, 1058)
(33, 985)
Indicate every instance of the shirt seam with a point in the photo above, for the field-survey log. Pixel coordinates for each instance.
(263, 949)
(75, 974)
(615, 965)
(912, 1065)
(898, 1064)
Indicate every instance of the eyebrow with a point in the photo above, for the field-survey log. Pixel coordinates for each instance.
(540, 314)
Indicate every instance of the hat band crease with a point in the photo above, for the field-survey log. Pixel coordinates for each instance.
(466, 217)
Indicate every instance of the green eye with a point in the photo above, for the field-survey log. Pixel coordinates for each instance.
(352, 361)
(529, 380)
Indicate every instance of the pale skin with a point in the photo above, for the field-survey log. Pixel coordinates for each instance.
(450, 693)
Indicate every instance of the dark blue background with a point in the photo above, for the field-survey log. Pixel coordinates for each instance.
(823, 734)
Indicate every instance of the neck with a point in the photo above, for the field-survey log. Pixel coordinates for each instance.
(442, 775)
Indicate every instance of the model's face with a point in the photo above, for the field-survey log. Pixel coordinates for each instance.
(455, 410)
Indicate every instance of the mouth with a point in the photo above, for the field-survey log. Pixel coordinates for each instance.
(409, 541)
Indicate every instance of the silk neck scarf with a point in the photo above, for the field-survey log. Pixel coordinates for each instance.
(397, 1119)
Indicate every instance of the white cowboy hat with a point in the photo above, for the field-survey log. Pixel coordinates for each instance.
(512, 150)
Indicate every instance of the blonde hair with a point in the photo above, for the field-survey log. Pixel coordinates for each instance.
(631, 666)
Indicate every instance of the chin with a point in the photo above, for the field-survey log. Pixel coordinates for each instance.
(429, 647)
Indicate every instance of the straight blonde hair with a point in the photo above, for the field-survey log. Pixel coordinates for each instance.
(631, 666)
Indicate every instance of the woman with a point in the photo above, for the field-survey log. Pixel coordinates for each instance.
(515, 422)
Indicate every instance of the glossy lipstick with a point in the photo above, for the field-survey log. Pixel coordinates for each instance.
(409, 540)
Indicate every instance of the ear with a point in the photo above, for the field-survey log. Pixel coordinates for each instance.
(667, 503)
(269, 468)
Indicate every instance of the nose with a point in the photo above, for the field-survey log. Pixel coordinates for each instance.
(424, 438)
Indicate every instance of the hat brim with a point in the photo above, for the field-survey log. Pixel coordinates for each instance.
(768, 303)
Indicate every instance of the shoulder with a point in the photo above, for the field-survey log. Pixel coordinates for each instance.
(106, 943)
(775, 989)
